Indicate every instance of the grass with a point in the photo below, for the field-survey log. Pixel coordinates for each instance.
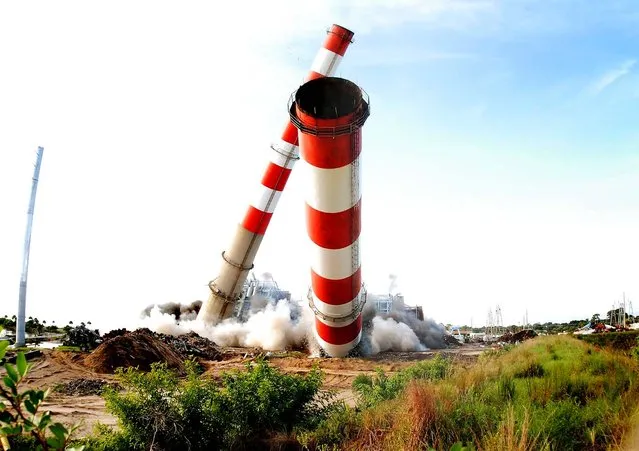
(68, 348)
(551, 393)
(619, 341)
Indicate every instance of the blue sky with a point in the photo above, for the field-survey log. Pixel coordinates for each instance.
(501, 161)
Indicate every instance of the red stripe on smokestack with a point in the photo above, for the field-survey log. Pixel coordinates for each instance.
(333, 230)
(339, 335)
(275, 177)
(329, 114)
(336, 292)
(338, 39)
(256, 220)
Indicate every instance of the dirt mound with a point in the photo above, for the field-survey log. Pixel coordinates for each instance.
(137, 349)
(520, 336)
(84, 387)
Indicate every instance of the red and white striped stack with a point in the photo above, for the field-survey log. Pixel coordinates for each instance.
(329, 113)
(286, 151)
(238, 259)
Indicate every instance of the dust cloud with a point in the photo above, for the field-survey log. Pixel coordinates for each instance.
(288, 325)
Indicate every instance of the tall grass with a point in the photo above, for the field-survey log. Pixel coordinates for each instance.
(551, 393)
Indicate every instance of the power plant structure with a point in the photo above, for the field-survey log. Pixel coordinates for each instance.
(329, 114)
(238, 259)
(22, 299)
(265, 290)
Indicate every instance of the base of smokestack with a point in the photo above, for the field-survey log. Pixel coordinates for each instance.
(332, 350)
(217, 309)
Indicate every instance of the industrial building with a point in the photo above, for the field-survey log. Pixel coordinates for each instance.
(257, 293)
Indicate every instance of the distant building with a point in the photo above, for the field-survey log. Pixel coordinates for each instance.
(384, 305)
(258, 293)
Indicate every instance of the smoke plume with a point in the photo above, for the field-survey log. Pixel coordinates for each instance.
(179, 311)
(429, 333)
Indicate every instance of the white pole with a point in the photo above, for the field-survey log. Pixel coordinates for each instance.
(20, 326)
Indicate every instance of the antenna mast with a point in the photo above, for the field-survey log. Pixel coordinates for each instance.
(20, 327)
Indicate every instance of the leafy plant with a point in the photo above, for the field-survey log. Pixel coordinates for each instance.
(82, 337)
(19, 411)
(158, 409)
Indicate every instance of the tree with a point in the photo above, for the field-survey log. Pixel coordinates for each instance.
(595, 319)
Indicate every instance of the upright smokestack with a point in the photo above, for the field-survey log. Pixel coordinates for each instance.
(226, 289)
(329, 113)
(22, 300)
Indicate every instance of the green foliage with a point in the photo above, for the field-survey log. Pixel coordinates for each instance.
(158, 409)
(82, 337)
(8, 323)
(19, 412)
(620, 341)
(340, 424)
(533, 369)
(549, 393)
(371, 390)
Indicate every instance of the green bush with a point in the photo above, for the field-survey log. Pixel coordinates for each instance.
(21, 424)
(159, 409)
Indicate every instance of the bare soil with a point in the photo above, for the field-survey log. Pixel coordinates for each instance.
(55, 368)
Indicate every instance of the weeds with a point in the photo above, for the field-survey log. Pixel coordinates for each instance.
(372, 390)
(546, 394)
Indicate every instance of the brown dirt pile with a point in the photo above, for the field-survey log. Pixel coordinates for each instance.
(137, 349)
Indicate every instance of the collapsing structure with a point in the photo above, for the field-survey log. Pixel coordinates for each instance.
(329, 113)
(227, 288)
(326, 117)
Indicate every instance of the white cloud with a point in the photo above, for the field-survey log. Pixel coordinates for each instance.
(612, 76)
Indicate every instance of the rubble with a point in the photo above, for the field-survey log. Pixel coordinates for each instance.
(451, 341)
(84, 387)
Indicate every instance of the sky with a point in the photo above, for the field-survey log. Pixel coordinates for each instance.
(500, 161)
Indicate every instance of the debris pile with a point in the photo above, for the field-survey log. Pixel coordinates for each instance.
(451, 341)
(139, 348)
(520, 336)
(114, 333)
(85, 387)
(191, 345)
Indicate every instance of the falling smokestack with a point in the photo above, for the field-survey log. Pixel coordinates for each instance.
(237, 261)
(329, 113)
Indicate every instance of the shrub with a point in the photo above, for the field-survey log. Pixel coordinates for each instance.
(158, 409)
(21, 426)
(340, 424)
